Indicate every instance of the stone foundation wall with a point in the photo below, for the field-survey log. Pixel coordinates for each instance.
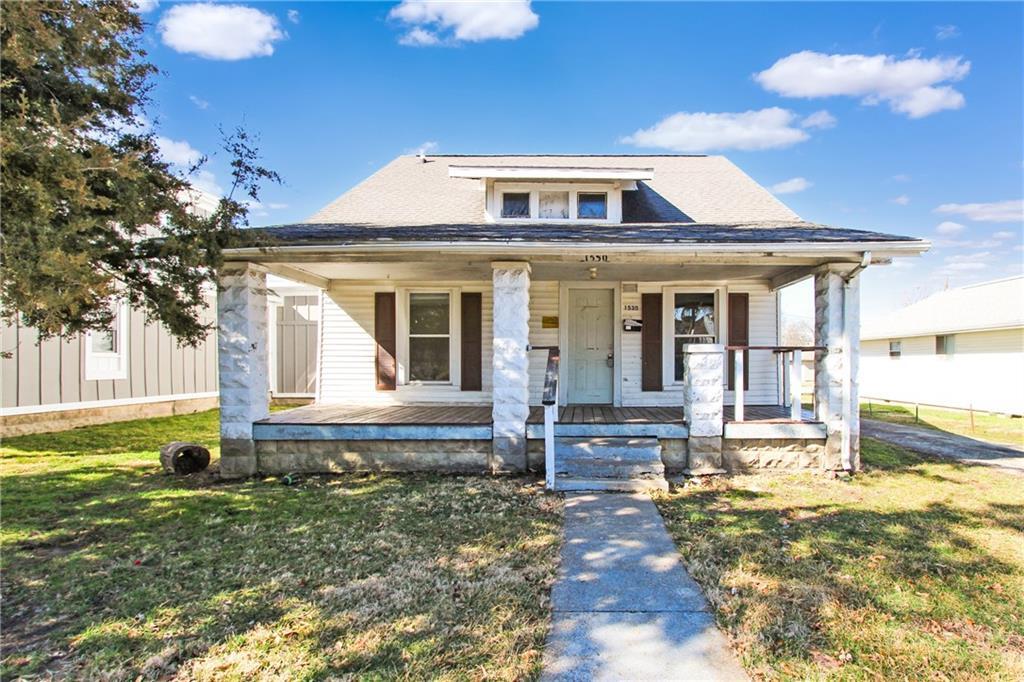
(45, 422)
(674, 454)
(741, 455)
(327, 456)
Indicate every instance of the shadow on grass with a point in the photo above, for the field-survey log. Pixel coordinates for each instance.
(120, 571)
(859, 572)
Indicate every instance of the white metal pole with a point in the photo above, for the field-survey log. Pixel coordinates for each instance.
(550, 414)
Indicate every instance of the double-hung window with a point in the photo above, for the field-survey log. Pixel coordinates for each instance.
(106, 350)
(694, 320)
(430, 335)
(895, 349)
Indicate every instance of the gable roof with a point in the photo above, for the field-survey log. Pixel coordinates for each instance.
(998, 304)
(415, 190)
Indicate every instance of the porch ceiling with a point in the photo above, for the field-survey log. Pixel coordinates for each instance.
(320, 273)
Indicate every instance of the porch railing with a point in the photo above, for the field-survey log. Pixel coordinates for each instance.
(791, 372)
(550, 402)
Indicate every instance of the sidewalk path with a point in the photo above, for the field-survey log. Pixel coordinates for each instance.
(624, 606)
(948, 445)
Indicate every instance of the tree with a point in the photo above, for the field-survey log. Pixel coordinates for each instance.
(83, 184)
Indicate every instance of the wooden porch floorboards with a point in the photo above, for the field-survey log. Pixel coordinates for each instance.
(481, 415)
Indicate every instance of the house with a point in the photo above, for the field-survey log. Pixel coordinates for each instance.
(960, 348)
(607, 318)
(137, 369)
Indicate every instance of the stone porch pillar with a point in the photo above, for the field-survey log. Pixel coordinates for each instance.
(837, 328)
(242, 345)
(703, 399)
(511, 365)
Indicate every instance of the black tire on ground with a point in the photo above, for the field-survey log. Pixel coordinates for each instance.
(184, 458)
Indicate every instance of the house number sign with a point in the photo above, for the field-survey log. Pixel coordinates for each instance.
(594, 258)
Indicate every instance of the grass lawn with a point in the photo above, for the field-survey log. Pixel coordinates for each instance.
(992, 427)
(913, 569)
(112, 569)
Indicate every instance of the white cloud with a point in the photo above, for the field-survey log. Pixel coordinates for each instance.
(419, 37)
(994, 212)
(201, 103)
(434, 23)
(912, 86)
(946, 32)
(293, 16)
(427, 147)
(948, 227)
(685, 131)
(966, 261)
(901, 177)
(901, 200)
(177, 152)
(207, 181)
(144, 6)
(819, 119)
(227, 32)
(276, 206)
(791, 186)
(1003, 234)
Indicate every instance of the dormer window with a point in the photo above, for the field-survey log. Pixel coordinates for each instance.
(515, 205)
(554, 205)
(592, 206)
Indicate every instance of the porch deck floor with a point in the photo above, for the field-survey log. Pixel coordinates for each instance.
(480, 415)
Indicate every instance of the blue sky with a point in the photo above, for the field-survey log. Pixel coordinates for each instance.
(924, 103)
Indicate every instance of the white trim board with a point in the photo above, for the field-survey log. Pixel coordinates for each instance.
(90, 404)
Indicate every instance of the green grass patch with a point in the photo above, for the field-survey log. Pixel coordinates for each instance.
(113, 569)
(997, 428)
(913, 569)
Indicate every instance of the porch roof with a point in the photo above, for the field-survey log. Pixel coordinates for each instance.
(654, 234)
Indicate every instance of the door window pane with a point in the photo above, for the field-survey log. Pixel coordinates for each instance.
(515, 205)
(554, 205)
(428, 314)
(592, 206)
(428, 358)
(680, 342)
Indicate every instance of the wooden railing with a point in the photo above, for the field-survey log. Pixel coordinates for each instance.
(791, 356)
(550, 402)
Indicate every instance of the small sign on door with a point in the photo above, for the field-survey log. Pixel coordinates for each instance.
(630, 324)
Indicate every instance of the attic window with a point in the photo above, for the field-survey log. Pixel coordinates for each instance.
(592, 206)
(515, 205)
(554, 205)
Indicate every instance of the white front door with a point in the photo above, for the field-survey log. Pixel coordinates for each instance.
(591, 345)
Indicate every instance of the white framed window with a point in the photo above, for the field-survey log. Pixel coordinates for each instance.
(944, 344)
(895, 349)
(428, 332)
(691, 315)
(106, 351)
(555, 202)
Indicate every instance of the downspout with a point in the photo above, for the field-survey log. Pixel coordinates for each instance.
(848, 406)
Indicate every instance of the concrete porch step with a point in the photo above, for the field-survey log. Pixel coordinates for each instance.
(608, 459)
(610, 485)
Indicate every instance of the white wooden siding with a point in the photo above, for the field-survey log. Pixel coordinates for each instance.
(347, 358)
(984, 371)
(347, 355)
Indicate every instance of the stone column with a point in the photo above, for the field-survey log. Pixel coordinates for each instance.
(703, 397)
(242, 343)
(839, 332)
(511, 365)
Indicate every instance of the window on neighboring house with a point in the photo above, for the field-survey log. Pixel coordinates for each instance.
(430, 337)
(515, 205)
(944, 344)
(554, 205)
(106, 352)
(592, 206)
(895, 349)
(693, 319)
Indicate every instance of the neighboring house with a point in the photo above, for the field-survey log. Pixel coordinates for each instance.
(960, 348)
(447, 281)
(138, 369)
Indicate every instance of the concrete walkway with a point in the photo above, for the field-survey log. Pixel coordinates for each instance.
(624, 606)
(948, 445)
